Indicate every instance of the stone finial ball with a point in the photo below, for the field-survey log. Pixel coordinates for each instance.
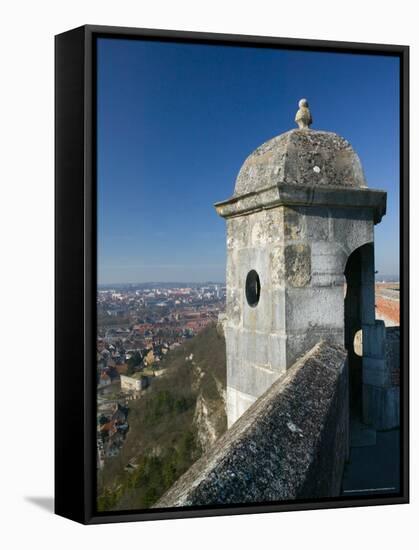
(302, 103)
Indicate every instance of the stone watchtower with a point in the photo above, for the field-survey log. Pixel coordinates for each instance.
(299, 225)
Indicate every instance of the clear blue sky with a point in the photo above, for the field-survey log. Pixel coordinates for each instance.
(176, 121)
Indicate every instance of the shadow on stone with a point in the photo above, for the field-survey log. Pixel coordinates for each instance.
(361, 435)
(374, 469)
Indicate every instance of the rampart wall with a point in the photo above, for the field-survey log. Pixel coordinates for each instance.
(291, 443)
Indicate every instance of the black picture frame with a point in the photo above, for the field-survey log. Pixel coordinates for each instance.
(75, 270)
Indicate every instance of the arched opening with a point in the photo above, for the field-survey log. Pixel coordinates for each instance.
(359, 312)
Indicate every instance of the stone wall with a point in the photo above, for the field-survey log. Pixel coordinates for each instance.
(300, 255)
(291, 443)
(382, 400)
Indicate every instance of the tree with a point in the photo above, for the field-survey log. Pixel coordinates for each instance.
(134, 361)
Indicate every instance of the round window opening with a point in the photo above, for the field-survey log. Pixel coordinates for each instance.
(252, 288)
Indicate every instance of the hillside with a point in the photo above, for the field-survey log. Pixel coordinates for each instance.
(171, 425)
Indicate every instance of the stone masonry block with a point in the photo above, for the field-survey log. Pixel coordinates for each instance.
(294, 225)
(375, 372)
(317, 223)
(303, 309)
(374, 340)
(298, 265)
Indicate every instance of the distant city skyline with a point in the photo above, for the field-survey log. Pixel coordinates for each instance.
(176, 122)
(184, 284)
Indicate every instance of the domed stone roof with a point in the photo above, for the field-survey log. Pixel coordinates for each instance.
(302, 157)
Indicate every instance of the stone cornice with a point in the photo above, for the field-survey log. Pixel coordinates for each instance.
(305, 195)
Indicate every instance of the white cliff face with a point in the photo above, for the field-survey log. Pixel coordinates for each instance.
(210, 411)
(203, 419)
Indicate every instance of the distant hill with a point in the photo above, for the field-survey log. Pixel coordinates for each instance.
(171, 426)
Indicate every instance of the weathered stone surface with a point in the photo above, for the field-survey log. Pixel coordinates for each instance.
(305, 339)
(328, 259)
(234, 306)
(381, 406)
(237, 232)
(278, 311)
(299, 210)
(294, 224)
(277, 267)
(374, 372)
(393, 353)
(374, 340)
(298, 264)
(307, 157)
(381, 375)
(265, 228)
(238, 402)
(291, 443)
(352, 227)
(303, 312)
